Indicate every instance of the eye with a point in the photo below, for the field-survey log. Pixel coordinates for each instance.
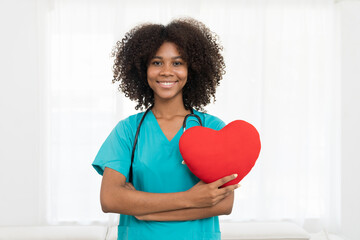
(156, 63)
(177, 63)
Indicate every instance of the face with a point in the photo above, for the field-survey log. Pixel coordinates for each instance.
(167, 73)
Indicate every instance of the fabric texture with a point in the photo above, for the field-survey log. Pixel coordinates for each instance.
(157, 168)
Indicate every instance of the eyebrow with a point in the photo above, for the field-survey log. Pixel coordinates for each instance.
(177, 57)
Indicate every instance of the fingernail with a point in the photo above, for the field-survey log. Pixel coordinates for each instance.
(235, 175)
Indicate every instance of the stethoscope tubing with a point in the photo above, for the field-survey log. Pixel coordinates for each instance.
(138, 130)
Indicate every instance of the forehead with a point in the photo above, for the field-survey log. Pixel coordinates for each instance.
(168, 49)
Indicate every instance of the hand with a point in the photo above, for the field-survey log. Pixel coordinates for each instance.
(207, 195)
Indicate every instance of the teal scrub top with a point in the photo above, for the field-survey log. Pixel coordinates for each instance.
(157, 168)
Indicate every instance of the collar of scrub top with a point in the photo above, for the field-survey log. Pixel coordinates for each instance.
(138, 130)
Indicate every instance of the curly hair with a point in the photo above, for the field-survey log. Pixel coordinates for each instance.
(198, 46)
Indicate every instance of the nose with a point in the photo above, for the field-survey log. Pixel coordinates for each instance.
(166, 70)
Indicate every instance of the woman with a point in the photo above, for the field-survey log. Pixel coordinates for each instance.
(169, 70)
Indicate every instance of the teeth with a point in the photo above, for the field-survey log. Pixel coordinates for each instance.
(167, 83)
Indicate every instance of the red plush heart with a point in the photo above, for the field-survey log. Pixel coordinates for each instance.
(211, 154)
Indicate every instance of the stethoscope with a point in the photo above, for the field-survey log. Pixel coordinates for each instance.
(138, 130)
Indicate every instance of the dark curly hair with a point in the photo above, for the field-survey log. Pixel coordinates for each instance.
(198, 47)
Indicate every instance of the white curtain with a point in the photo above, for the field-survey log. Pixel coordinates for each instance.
(282, 77)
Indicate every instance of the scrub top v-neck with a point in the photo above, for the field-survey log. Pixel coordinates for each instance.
(161, 131)
(157, 168)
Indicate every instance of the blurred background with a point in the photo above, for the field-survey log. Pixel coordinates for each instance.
(293, 70)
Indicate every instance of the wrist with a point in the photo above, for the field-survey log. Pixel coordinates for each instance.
(186, 200)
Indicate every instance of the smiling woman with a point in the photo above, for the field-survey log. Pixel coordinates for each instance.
(170, 70)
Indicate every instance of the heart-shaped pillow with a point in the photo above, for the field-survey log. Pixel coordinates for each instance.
(211, 155)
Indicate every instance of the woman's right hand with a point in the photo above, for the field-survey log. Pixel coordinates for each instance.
(209, 194)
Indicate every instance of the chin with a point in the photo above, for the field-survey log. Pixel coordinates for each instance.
(167, 96)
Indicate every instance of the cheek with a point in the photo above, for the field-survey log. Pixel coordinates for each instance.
(150, 74)
(183, 74)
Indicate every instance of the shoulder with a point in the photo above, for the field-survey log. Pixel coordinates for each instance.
(210, 121)
(128, 125)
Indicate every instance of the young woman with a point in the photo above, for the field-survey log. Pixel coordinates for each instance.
(169, 70)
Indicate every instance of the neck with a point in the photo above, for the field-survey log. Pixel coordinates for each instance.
(169, 108)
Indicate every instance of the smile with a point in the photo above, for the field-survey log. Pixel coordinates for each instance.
(166, 84)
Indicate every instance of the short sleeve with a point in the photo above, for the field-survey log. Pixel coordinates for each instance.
(115, 152)
(213, 122)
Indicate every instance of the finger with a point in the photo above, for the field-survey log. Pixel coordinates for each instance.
(223, 196)
(224, 180)
(229, 193)
(228, 189)
(220, 198)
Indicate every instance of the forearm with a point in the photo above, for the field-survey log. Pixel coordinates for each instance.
(222, 208)
(133, 202)
(117, 196)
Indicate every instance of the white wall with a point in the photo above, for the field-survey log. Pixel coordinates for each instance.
(350, 81)
(20, 114)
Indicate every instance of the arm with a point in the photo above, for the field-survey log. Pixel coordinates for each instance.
(222, 208)
(117, 198)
